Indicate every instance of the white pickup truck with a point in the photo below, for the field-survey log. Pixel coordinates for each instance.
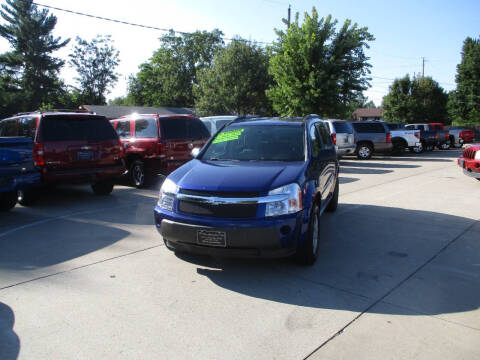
(402, 139)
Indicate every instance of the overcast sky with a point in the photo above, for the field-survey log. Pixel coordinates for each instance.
(405, 31)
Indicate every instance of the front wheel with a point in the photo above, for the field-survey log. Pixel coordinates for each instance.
(102, 188)
(8, 200)
(307, 251)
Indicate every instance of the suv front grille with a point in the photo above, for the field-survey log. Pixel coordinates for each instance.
(225, 194)
(218, 210)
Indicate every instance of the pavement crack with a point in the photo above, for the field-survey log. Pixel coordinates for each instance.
(412, 274)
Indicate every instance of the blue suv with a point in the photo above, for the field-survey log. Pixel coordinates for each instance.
(256, 189)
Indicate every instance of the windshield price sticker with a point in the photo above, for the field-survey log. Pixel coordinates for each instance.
(228, 136)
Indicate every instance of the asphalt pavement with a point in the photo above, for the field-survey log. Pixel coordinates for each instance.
(398, 277)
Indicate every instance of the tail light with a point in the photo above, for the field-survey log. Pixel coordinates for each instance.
(334, 139)
(447, 135)
(161, 150)
(462, 134)
(417, 134)
(38, 154)
(389, 137)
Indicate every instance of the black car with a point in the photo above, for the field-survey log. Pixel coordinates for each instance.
(257, 189)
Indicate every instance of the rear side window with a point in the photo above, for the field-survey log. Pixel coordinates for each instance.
(76, 128)
(368, 127)
(27, 127)
(324, 135)
(342, 127)
(8, 128)
(146, 128)
(181, 128)
(123, 129)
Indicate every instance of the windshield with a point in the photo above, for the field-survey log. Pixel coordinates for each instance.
(258, 142)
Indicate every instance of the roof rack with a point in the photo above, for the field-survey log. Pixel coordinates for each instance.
(80, 111)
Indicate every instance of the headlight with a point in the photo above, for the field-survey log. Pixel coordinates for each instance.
(477, 155)
(167, 194)
(291, 203)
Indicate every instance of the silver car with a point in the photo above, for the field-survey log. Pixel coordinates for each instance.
(213, 123)
(343, 136)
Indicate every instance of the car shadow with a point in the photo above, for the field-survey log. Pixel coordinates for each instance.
(24, 249)
(367, 252)
(347, 180)
(9, 340)
(371, 164)
(363, 170)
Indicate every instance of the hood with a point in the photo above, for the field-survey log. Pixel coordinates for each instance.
(237, 176)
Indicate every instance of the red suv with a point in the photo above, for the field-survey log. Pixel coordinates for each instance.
(158, 143)
(70, 147)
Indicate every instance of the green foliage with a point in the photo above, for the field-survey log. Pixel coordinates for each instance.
(168, 78)
(317, 69)
(236, 82)
(95, 63)
(419, 100)
(31, 68)
(464, 103)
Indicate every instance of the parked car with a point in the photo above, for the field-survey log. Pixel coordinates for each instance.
(158, 144)
(371, 136)
(213, 123)
(69, 147)
(442, 137)
(343, 136)
(17, 171)
(470, 161)
(403, 138)
(460, 135)
(257, 189)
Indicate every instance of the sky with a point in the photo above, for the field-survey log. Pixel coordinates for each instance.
(405, 31)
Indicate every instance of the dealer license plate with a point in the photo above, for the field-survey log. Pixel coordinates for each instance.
(211, 238)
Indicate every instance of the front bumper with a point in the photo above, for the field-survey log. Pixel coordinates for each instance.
(20, 182)
(253, 238)
(470, 167)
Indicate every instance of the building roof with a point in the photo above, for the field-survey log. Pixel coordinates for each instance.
(370, 112)
(114, 112)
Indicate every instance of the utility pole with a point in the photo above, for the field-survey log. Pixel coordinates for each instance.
(288, 17)
(423, 67)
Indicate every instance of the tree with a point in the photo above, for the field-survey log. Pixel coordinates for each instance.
(317, 69)
(168, 78)
(95, 63)
(32, 69)
(236, 83)
(418, 100)
(464, 102)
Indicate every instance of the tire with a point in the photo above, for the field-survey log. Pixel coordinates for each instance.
(102, 188)
(333, 204)
(364, 151)
(27, 197)
(307, 251)
(418, 149)
(8, 200)
(444, 146)
(398, 147)
(137, 174)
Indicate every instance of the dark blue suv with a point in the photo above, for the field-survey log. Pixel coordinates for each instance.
(256, 189)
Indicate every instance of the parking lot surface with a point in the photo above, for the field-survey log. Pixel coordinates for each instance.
(398, 277)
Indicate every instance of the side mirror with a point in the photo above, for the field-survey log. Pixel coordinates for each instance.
(195, 152)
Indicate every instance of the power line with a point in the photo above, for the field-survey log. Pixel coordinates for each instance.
(138, 25)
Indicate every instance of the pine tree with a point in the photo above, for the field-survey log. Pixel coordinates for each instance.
(30, 63)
